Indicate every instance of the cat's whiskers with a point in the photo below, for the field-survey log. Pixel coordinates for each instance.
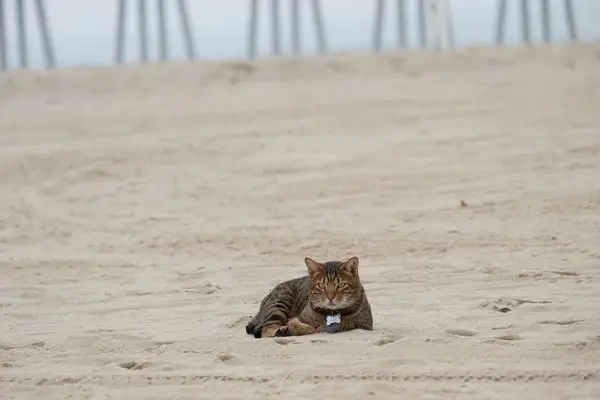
(333, 306)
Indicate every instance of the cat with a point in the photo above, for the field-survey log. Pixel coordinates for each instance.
(329, 298)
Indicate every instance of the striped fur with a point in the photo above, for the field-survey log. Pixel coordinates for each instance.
(300, 306)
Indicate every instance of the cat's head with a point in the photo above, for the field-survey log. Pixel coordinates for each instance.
(333, 284)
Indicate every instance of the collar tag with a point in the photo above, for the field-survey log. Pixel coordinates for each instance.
(332, 319)
(332, 323)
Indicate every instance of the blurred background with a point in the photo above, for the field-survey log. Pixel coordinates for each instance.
(83, 32)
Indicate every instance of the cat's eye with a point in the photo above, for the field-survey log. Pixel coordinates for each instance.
(343, 285)
(320, 286)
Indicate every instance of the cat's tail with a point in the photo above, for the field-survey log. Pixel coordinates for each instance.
(254, 328)
(276, 314)
(274, 311)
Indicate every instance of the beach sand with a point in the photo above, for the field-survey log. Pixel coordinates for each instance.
(146, 211)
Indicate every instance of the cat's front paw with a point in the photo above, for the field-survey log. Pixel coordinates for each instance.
(282, 332)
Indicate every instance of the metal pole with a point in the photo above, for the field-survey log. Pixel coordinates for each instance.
(320, 27)
(295, 17)
(570, 19)
(422, 23)
(120, 37)
(21, 33)
(526, 32)
(45, 33)
(378, 27)
(162, 30)
(275, 27)
(501, 21)
(186, 27)
(401, 10)
(143, 30)
(3, 52)
(545, 6)
(252, 28)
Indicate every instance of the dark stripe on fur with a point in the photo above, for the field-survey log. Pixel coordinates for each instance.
(275, 318)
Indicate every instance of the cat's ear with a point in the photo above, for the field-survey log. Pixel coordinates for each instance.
(351, 266)
(313, 266)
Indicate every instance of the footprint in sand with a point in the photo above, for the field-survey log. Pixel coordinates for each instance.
(137, 366)
(134, 365)
(387, 339)
(198, 273)
(163, 342)
(238, 322)
(551, 276)
(461, 332)
(229, 359)
(501, 328)
(504, 339)
(565, 322)
(284, 341)
(506, 304)
(509, 338)
(205, 288)
(592, 344)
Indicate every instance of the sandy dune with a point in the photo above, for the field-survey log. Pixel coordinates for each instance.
(145, 212)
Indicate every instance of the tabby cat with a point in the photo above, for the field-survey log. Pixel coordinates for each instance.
(330, 298)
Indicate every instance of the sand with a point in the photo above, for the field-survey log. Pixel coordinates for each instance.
(146, 211)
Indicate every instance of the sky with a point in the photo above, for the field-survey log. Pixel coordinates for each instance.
(83, 32)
